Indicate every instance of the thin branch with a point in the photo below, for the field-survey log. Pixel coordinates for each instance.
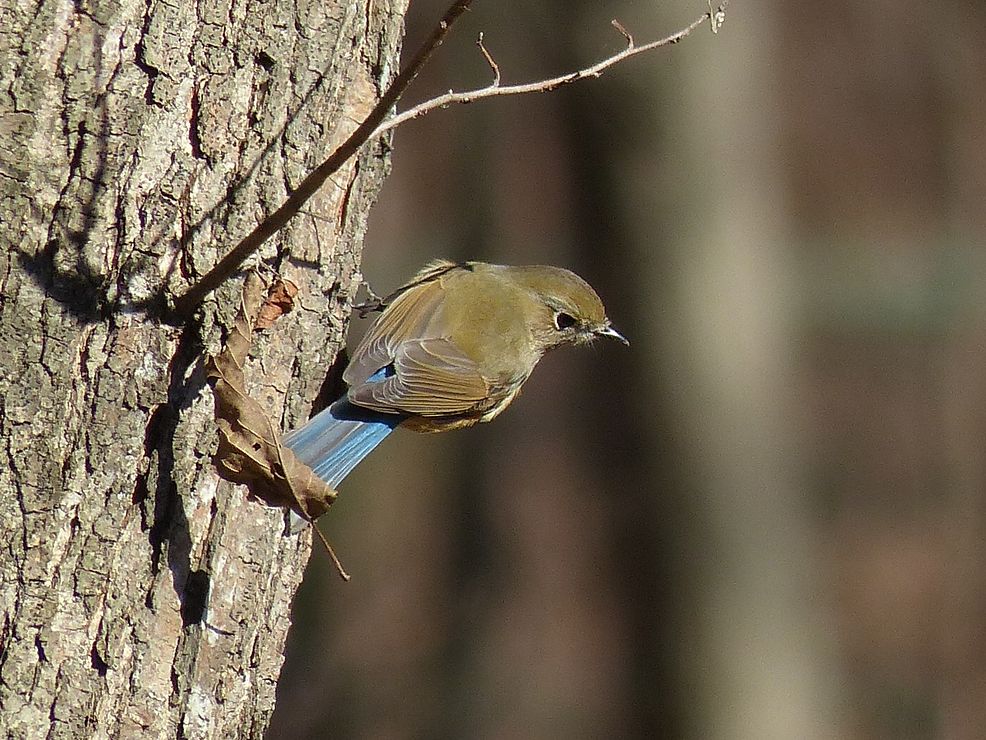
(716, 17)
(496, 89)
(189, 301)
(489, 60)
(626, 34)
(372, 127)
(332, 553)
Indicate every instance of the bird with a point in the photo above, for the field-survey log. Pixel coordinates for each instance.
(451, 348)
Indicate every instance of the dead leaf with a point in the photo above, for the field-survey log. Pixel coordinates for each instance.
(279, 301)
(250, 450)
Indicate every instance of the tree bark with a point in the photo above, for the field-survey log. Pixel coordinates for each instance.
(140, 596)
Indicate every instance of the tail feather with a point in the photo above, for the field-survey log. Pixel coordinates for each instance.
(335, 440)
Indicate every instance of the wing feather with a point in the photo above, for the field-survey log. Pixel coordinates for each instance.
(432, 377)
(406, 318)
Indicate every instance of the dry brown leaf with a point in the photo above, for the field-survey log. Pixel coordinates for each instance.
(279, 301)
(250, 450)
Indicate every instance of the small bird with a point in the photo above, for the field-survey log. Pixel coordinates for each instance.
(452, 348)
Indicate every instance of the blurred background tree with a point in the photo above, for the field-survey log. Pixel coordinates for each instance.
(765, 519)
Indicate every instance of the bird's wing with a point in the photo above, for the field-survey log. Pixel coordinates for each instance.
(408, 313)
(431, 377)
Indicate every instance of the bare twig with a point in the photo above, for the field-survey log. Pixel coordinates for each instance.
(332, 553)
(496, 89)
(716, 17)
(626, 34)
(188, 302)
(372, 303)
(374, 125)
(489, 60)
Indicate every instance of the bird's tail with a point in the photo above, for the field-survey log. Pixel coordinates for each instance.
(336, 439)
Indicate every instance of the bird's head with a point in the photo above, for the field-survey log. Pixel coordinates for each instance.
(568, 311)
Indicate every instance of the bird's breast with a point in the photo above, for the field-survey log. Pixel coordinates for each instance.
(490, 321)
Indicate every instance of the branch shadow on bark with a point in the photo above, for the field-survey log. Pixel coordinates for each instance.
(158, 304)
(80, 290)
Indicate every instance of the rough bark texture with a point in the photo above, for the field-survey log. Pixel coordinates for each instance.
(140, 597)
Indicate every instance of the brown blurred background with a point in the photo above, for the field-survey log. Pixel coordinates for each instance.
(766, 518)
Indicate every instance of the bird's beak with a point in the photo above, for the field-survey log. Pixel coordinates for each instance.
(609, 331)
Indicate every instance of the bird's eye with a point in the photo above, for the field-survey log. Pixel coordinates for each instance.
(563, 321)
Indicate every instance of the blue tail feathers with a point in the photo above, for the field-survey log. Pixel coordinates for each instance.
(335, 440)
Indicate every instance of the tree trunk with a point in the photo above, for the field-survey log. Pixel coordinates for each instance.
(141, 597)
